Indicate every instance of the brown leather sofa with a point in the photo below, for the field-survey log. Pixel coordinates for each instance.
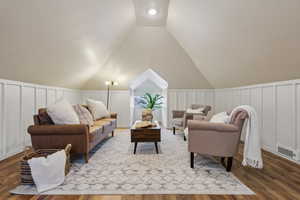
(46, 135)
(216, 139)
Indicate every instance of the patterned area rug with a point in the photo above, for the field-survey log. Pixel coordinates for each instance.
(114, 169)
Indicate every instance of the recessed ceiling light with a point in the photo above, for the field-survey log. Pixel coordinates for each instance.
(152, 11)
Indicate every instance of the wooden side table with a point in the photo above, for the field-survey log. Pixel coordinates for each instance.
(145, 135)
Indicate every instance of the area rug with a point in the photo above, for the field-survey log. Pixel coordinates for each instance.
(114, 169)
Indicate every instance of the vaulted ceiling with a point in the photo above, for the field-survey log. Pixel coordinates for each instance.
(193, 44)
(234, 42)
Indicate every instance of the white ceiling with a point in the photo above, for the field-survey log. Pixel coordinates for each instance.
(231, 42)
(142, 16)
(60, 42)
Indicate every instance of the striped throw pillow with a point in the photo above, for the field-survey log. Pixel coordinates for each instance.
(84, 115)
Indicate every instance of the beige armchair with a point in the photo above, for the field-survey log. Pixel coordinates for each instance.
(216, 139)
(180, 117)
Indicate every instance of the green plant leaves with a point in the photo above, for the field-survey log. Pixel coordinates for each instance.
(151, 102)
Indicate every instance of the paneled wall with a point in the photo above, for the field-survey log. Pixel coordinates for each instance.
(119, 103)
(18, 102)
(177, 99)
(181, 99)
(277, 104)
(278, 108)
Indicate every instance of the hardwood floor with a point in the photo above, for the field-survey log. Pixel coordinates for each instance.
(280, 179)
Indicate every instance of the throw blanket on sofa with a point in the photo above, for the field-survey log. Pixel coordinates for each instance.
(252, 149)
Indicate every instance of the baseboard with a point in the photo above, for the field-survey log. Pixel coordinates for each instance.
(269, 149)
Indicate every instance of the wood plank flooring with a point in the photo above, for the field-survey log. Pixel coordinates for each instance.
(280, 179)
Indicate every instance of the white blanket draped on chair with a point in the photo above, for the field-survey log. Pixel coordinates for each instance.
(252, 149)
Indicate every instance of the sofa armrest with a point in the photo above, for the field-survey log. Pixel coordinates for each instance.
(205, 125)
(178, 113)
(76, 129)
(113, 115)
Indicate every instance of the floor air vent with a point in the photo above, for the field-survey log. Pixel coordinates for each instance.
(286, 152)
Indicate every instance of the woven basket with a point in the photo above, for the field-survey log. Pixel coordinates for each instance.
(26, 177)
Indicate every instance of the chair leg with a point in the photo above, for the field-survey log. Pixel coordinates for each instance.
(86, 157)
(173, 130)
(112, 133)
(229, 164)
(223, 161)
(192, 159)
(184, 138)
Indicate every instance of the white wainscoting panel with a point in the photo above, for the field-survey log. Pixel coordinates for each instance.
(28, 110)
(285, 116)
(12, 134)
(297, 127)
(119, 103)
(278, 108)
(181, 99)
(18, 103)
(268, 130)
(178, 99)
(51, 96)
(277, 105)
(1, 120)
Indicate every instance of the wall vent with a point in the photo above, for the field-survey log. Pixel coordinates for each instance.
(287, 152)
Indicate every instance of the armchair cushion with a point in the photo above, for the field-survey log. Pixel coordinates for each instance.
(195, 111)
(204, 125)
(178, 113)
(221, 117)
(178, 122)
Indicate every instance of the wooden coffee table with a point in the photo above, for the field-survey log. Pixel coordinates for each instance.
(145, 135)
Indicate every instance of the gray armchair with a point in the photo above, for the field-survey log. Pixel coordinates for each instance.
(180, 117)
(216, 139)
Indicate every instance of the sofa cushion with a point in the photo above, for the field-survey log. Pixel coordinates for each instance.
(112, 121)
(84, 115)
(97, 109)
(101, 123)
(62, 112)
(94, 132)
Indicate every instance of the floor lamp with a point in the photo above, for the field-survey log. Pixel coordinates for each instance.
(109, 84)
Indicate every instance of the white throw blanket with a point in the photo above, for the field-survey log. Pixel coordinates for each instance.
(252, 149)
(49, 172)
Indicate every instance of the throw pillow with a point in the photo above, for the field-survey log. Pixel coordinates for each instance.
(220, 118)
(195, 111)
(62, 112)
(97, 109)
(84, 115)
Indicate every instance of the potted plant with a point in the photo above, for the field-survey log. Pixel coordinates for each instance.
(149, 103)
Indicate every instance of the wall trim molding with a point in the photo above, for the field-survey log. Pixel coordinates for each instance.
(15, 118)
(259, 96)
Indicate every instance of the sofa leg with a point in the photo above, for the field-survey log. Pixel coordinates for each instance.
(173, 130)
(229, 164)
(112, 133)
(86, 157)
(192, 159)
